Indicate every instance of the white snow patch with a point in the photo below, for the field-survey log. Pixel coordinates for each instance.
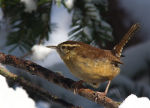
(30, 5)
(10, 98)
(40, 52)
(133, 101)
(62, 18)
(69, 3)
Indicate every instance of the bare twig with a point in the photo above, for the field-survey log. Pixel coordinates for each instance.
(67, 83)
(37, 89)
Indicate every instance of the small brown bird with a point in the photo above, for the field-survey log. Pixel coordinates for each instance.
(90, 64)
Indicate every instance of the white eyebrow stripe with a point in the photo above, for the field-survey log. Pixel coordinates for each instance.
(74, 45)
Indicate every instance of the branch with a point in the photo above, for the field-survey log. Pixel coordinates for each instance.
(67, 83)
(37, 89)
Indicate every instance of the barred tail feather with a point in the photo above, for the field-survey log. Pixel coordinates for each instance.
(118, 48)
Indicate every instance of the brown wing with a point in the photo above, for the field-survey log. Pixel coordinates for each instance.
(96, 53)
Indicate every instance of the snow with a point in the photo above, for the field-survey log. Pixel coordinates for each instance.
(133, 101)
(69, 3)
(30, 5)
(10, 98)
(62, 18)
(40, 52)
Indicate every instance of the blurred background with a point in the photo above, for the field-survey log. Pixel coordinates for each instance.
(101, 23)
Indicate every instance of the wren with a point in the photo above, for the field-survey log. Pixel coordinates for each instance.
(90, 64)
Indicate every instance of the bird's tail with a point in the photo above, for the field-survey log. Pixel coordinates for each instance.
(118, 48)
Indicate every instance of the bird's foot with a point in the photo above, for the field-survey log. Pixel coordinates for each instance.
(103, 94)
(77, 85)
(100, 95)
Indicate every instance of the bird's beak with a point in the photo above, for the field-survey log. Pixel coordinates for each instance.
(53, 47)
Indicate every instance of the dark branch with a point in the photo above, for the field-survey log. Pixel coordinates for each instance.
(35, 88)
(67, 83)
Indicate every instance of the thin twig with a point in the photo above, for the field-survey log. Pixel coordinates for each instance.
(35, 88)
(67, 83)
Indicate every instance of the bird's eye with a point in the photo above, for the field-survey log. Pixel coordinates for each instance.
(63, 47)
(71, 48)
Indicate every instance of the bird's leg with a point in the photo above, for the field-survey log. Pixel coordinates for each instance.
(103, 93)
(106, 90)
(107, 87)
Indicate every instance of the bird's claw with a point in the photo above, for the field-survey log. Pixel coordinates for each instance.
(77, 85)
